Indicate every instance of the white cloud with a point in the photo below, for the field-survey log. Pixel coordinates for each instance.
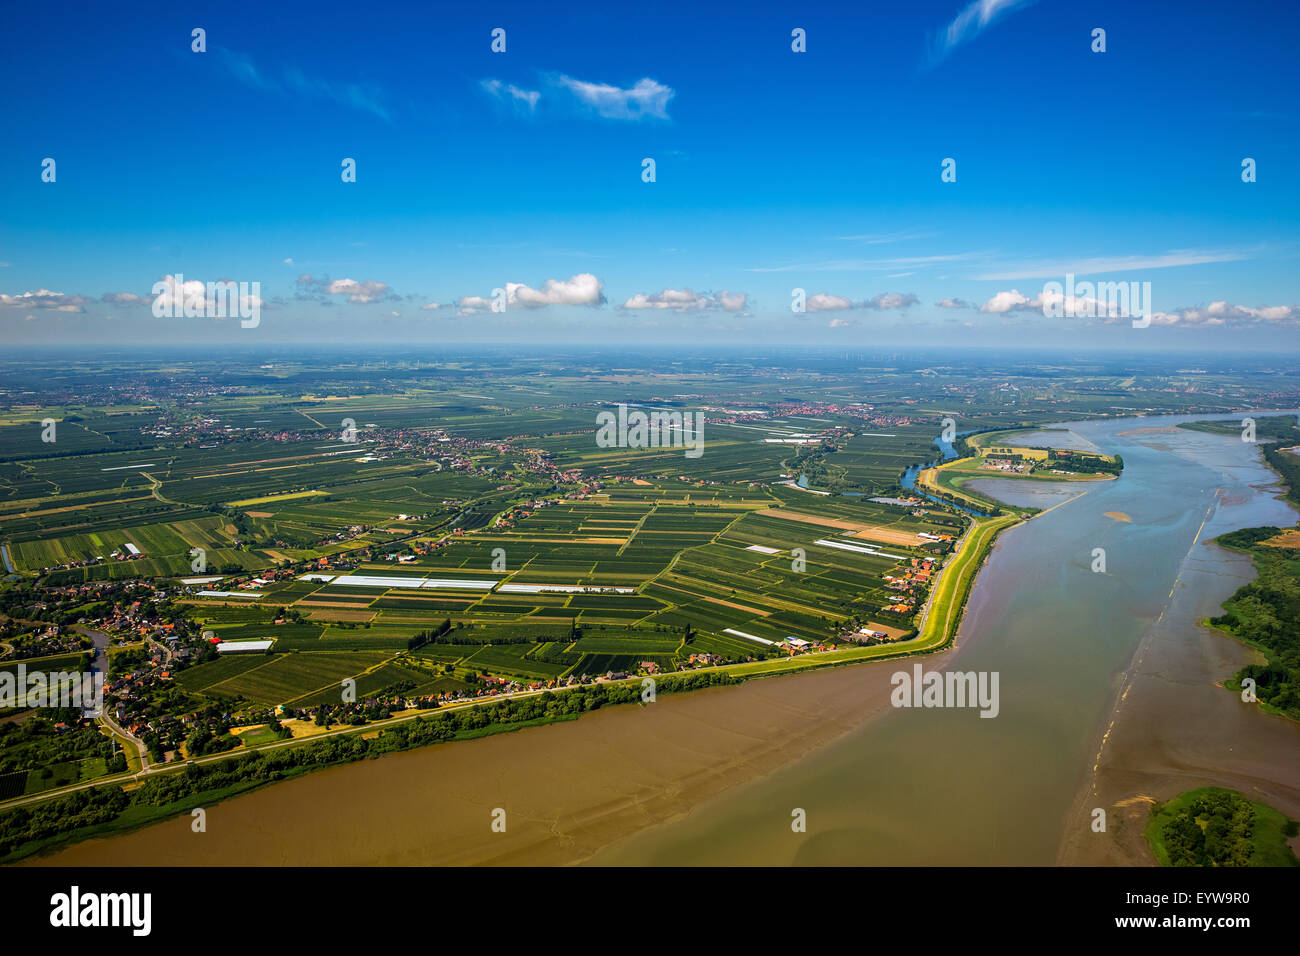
(431, 306)
(732, 301)
(45, 299)
(1058, 303)
(891, 300)
(1011, 301)
(193, 294)
(1052, 302)
(841, 323)
(357, 293)
(686, 300)
(1222, 313)
(473, 304)
(824, 302)
(647, 98)
(954, 304)
(174, 295)
(581, 289)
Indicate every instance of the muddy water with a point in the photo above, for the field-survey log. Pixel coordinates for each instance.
(714, 777)
(1173, 726)
(945, 786)
(567, 789)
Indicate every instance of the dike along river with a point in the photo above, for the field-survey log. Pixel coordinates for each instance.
(714, 777)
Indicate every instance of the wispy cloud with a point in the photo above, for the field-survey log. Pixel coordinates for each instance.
(872, 265)
(290, 80)
(970, 23)
(645, 99)
(509, 93)
(884, 238)
(1052, 268)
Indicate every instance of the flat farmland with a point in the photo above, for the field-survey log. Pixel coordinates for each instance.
(874, 462)
(738, 457)
(490, 494)
(724, 563)
(167, 544)
(283, 678)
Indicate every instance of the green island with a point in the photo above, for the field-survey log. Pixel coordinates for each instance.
(1212, 826)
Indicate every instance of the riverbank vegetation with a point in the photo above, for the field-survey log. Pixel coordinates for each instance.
(1266, 612)
(105, 810)
(1266, 615)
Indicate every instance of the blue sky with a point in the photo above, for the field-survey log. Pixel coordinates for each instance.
(774, 170)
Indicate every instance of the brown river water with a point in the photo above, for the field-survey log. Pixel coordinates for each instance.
(1106, 670)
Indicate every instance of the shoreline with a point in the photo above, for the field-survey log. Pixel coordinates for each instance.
(1184, 650)
(932, 638)
(623, 770)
